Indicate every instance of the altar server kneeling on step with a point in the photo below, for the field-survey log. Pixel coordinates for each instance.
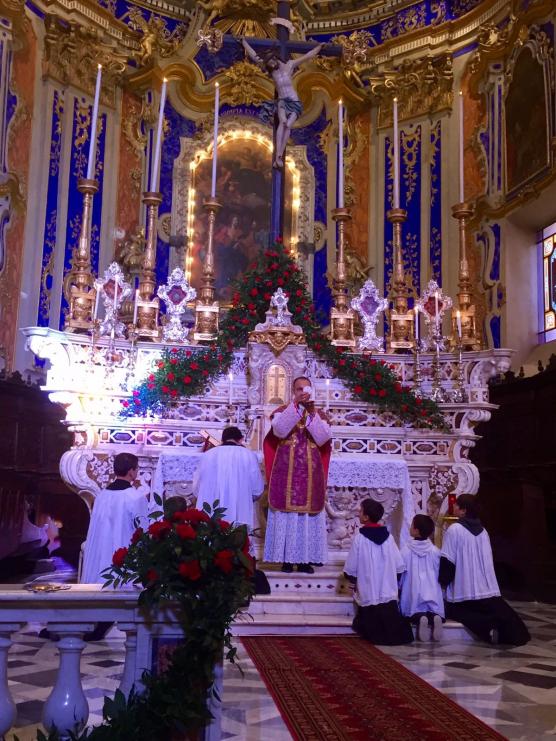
(421, 595)
(467, 571)
(373, 565)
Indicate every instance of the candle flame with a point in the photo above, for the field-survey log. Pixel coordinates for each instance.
(164, 79)
(461, 92)
(99, 66)
(340, 102)
(458, 314)
(395, 100)
(216, 84)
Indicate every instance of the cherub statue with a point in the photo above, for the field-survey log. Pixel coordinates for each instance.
(130, 252)
(288, 106)
(155, 37)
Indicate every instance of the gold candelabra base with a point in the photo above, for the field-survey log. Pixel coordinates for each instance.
(79, 282)
(207, 308)
(342, 316)
(470, 339)
(400, 337)
(147, 305)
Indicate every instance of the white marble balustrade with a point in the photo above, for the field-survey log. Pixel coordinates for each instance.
(71, 613)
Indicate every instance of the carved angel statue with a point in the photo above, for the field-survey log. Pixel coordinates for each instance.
(288, 106)
(240, 8)
(130, 251)
(155, 36)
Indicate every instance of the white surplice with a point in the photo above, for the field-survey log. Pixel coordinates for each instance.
(472, 557)
(230, 474)
(297, 537)
(376, 568)
(111, 527)
(420, 590)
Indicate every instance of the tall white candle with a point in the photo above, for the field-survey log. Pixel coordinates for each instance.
(97, 298)
(416, 315)
(461, 177)
(94, 123)
(396, 157)
(155, 171)
(327, 393)
(458, 322)
(340, 154)
(215, 139)
(135, 307)
(230, 388)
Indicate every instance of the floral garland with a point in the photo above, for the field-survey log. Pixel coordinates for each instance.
(182, 373)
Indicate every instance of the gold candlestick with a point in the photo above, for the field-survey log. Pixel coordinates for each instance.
(341, 315)
(147, 304)
(79, 281)
(207, 309)
(469, 339)
(401, 319)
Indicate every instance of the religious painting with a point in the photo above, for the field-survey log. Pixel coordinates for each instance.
(526, 122)
(242, 228)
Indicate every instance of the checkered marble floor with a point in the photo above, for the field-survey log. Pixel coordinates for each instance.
(512, 690)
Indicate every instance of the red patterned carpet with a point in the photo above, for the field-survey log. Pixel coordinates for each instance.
(342, 687)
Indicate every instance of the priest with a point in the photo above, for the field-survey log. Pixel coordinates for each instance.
(230, 474)
(297, 454)
(467, 572)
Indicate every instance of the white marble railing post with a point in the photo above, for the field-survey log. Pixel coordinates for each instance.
(7, 705)
(128, 676)
(67, 708)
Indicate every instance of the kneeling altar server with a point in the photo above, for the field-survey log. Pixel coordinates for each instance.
(467, 571)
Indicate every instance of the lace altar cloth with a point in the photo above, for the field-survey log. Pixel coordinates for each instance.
(370, 472)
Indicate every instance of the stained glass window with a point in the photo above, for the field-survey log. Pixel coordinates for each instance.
(547, 248)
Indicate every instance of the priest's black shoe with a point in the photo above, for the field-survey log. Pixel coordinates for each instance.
(305, 568)
(287, 568)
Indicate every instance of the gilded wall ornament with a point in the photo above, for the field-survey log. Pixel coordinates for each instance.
(14, 12)
(356, 48)
(73, 52)
(423, 87)
(240, 17)
(358, 141)
(244, 84)
(156, 40)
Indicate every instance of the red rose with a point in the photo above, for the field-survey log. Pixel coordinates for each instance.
(194, 366)
(254, 292)
(187, 380)
(382, 393)
(161, 364)
(245, 320)
(225, 561)
(317, 346)
(150, 386)
(165, 389)
(190, 570)
(137, 402)
(224, 524)
(274, 266)
(136, 535)
(151, 377)
(185, 531)
(251, 306)
(299, 292)
(136, 393)
(219, 357)
(378, 376)
(423, 412)
(372, 362)
(341, 362)
(397, 388)
(191, 515)
(173, 393)
(170, 377)
(174, 350)
(358, 389)
(404, 407)
(151, 575)
(124, 403)
(372, 392)
(206, 358)
(119, 557)
(204, 372)
(280, 281)
(173, 361)
(418, 401)
(279, 240)
(159, 529)
(267, 296)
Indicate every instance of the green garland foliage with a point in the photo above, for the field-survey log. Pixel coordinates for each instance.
(182, 373)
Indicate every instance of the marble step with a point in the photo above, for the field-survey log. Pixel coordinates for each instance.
(325, 580)
(295, 604)
(290, 624)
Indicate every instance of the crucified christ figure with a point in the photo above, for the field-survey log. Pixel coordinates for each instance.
(288, 106)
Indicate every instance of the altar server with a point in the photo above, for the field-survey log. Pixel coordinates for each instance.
(373, 565)
(297, 454)
(113, 519)
(467, 571)
(230, 474)
(421, 595)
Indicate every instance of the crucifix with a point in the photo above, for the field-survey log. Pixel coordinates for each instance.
(273, 55)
